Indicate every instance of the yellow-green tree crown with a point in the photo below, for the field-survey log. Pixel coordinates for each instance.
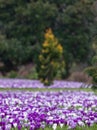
(50, 57)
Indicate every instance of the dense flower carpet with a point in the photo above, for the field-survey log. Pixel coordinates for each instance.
(23, 83)
(35, 110)
(25, 110)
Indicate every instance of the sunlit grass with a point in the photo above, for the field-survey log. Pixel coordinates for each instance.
(94, 127)
(47, 89)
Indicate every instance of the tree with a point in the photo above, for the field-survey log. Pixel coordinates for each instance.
(72, 22)
(77, 24)
(92, 70)
(50, 58)
(23, 23)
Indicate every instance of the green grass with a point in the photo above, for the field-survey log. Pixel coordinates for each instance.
(78, 128)
(49, 89)
(94, 127)
(45, 89)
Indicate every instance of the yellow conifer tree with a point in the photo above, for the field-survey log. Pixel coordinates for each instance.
(49, 58)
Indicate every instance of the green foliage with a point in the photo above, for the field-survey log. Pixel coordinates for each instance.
(77, 31)
(92, 71)
(12, 74)
(94, 60)
(32, 74)
(13, 52)
(23, 22)
(50, 58)
(76, 24)
(94, 46)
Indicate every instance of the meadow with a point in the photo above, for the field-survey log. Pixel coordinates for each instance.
(29, 105)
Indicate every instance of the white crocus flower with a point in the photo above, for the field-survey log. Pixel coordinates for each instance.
(15, 125)
(54, 126)
(11, 120)
(8, 126)
(81, 123)
(61, 125)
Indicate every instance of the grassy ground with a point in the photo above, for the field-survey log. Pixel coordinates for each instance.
(78, 128)
(94, 127)
(45, 89)
(49, 89)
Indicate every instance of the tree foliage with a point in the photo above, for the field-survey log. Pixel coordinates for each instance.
(23, 23)
(92, 70)
(50, 58)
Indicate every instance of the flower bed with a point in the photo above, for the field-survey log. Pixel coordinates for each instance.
(21, 83)
(35, 110)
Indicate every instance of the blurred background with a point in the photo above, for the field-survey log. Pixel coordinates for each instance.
(22, 27)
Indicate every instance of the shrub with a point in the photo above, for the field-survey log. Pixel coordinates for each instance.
(50, 58)
(12, 74)
(32, 74)
(80, 77)
(92, 71)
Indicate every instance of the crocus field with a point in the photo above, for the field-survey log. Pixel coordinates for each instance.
(23, 83)
(46, 110)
